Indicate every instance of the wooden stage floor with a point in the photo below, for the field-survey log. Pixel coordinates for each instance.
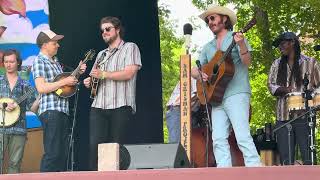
(236, 173)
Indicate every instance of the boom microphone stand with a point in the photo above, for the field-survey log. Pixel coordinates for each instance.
(310, 118)
(70, 157)
(4, 106)
(208, 122)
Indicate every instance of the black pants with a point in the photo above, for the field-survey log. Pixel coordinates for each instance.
(299, 135)
(55, 141)
(107, 126)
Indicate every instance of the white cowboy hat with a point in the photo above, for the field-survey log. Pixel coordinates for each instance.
(214, 9)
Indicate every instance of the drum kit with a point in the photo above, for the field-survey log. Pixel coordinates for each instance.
(307, 102)
(296, 101)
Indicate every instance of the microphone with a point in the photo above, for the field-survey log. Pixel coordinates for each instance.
(198, 64)
(4, 105)
(316, 47)
(187, 32)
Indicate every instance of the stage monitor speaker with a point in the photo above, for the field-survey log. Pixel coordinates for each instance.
(157, 156)
(112, 156)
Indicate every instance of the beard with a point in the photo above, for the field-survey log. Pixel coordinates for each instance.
(111, 39)
(219, 27)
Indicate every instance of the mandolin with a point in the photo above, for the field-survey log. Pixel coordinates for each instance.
(68, 91)
(13, 116)
(220, 70)
(95, 81)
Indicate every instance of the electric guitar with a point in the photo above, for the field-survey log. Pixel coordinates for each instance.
(220, 70)
(68, 91)
(12, 117)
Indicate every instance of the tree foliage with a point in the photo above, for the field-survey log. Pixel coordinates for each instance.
(170, 46)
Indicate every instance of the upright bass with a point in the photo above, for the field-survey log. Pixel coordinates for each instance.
(220, 70)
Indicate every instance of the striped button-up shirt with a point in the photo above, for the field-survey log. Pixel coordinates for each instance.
(114, 94)
(49, 69)
(20, 88)
(174, 99)
(308, 66)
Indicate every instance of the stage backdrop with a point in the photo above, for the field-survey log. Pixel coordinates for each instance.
(20, 23)
(79, 22)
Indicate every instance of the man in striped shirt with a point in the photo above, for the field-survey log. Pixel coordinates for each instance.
(53, 109)
(116, 69)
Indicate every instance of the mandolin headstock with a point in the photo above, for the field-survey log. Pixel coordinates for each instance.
(89, 55)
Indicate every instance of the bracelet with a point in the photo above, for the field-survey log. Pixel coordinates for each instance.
(244, 53)
(103, 75)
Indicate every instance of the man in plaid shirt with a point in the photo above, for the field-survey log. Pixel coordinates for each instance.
(53, 109)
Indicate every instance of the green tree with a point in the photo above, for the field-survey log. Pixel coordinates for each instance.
(171, 48)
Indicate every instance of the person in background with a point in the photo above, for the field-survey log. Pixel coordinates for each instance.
(173, 111)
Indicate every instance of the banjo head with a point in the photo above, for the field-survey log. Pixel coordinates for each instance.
(10, 118)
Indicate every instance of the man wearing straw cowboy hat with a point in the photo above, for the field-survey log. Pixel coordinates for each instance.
(234, 109)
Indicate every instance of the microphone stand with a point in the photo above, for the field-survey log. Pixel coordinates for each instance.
(208, 122)
(4, 106)
(71, 136)
(310, 117)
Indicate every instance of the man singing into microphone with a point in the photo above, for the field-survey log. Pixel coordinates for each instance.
(286, 75)
(116, 68)
(234, 109)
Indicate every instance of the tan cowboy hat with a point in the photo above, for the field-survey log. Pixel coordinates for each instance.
(214, 9)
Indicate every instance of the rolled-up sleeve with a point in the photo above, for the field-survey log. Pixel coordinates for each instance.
(272, 78)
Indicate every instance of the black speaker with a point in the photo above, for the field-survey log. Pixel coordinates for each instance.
(157, 156)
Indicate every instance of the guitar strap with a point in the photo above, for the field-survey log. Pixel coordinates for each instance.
(112, 53)
(106, 59)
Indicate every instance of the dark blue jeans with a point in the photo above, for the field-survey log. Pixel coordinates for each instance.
(299, 135)
(55, 141)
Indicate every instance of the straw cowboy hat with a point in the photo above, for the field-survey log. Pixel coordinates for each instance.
(214, 9)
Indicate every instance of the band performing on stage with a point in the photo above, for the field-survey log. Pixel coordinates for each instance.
(219, 96)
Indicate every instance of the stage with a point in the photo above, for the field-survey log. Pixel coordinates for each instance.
(239, 173)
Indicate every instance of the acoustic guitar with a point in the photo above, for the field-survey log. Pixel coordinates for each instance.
(13, 116)
(220, 70)
(68, 91)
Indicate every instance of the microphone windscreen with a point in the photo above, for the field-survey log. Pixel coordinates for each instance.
(198, 63)
(316, 47)
(187, 29)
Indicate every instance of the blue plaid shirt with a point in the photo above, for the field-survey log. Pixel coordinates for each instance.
(48, 69)
(21, 87)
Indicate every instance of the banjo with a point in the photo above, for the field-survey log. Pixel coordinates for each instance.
(13, 116)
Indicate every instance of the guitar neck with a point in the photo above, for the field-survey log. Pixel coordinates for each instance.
(25, 96)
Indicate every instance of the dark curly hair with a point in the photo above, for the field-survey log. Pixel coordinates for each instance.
(282, 71)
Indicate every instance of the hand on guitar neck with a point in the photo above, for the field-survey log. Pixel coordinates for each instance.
(97, 73)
